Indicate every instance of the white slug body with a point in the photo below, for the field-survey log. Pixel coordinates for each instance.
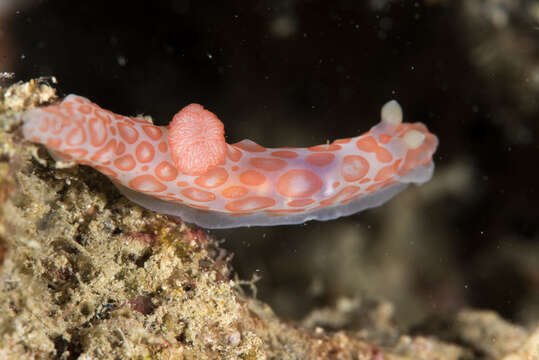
(241, 184)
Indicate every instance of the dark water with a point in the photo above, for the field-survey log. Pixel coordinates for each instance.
(303, 72)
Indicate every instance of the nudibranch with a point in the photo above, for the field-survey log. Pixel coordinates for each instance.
(187, 169)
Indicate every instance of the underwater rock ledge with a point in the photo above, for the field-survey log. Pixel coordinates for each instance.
(86, 274)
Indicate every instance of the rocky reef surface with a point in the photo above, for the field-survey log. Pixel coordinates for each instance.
(86, 274)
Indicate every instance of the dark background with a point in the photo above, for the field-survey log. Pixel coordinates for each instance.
(299, 73)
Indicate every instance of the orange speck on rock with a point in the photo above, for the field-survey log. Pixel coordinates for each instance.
(234, 192)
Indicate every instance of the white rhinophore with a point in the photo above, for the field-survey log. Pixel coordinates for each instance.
(391, 113)
(414, 139)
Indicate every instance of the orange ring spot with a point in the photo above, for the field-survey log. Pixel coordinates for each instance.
(105, 153)
(383, 155)
(153, 132)
(98, 131)
(320, 159)
(147, 183)
(85, 109)
(267, 164)
(234, 192)
(125, 163)
(251, 203)
(298, 183)
(76, 136)
(120, 148)
(103, 115)
(163, 146)
(127, 132)
(68, 107)
(285, 154)
(354, 167)
(300, 202)
(252, 178)
(367, 144)
(145, 152)
(212, 178)
(166, 171)
(197, 194)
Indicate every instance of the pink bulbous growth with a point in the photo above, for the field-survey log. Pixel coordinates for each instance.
(197, 140)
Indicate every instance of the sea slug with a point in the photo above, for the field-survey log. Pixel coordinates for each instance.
(187, 169)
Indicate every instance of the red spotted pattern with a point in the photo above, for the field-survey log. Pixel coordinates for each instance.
(252, 179)
(298, 183)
